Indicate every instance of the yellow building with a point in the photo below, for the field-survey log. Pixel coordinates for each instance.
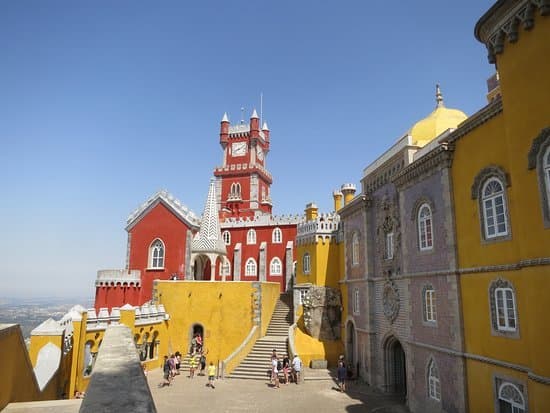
(501, 190)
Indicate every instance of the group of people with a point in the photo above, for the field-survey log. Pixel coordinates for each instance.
(291, 371)
(197, 361)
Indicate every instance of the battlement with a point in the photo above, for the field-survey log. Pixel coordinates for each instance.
(243, 167)
(114, 277)
(324, 224)
(145, 315)
(261, 220)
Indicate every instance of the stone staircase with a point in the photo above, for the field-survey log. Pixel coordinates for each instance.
(257, 365)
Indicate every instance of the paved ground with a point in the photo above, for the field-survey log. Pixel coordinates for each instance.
(239, 396)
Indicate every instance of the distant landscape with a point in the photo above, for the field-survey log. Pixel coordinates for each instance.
(30, 312)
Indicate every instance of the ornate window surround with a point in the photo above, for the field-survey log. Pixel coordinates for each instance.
(157, 255)
(500, 283)
(519, 389)
(540, 150)
(483, 177)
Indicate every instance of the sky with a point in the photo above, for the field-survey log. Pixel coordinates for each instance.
(104, 103)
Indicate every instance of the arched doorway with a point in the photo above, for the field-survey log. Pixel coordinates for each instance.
(350, 343)
(196, 330)
(395, 363)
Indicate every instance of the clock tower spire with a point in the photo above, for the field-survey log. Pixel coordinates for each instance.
(243, 180)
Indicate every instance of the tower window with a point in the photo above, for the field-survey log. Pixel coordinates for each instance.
(306, 263)
(250, 268)
(355, 249)
(277, 236)
(251, 236)
(226, 237)
(156, 254)
(276, 266)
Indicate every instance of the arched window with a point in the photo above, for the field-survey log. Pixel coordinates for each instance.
(425, 236)
(306, 263)
(510, 399)
(493, 203)
(428, 300)
(226, 237)
(355, 249)
(539, 159)
(250, 268)
(504, 318)
(276, 266)
(434, 385)
(277, 236)
(251, 236)
(156, 254)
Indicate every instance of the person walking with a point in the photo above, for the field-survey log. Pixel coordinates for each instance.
(166, 371)
(286, 368)
(296, 368)
(192, 366)
(203, 362)
(275, 371)
(342, 373)
(211, 375)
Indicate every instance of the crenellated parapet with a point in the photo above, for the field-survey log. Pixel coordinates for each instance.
(244, 167)
(261, 220)
(110, 278)
(144, 315)
(323, 228)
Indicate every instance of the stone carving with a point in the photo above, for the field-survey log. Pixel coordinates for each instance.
(390, 301)
(322, 313)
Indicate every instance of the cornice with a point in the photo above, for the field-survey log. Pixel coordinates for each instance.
(440, 157)
(503, 20)
(483, 115)
(357, 204)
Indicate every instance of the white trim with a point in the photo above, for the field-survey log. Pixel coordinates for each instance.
(492, 209)
(160, 259)
(505, 309)
(425, 228)
(251, 237)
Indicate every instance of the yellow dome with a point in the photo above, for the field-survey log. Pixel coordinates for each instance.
(436, 122)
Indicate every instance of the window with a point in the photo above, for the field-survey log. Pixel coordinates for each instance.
(434, 385)
(226, 237)
(510, 399)
(356, 301)
(425, 237)
(224, 268)
(389, 246)
(504, 318)
(251, 237)
(277, 236)
(156, 254)
(355, 249)
(306, 263)
(494, 209)
(429, 304)
(250, 268)
(276, 266)
(539, 159)
(303, 295)
(235, 192)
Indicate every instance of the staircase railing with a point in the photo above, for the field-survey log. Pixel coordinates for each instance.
(240, 353)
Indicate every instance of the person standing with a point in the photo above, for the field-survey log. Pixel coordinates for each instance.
(286, 368)
(203, 362)
(211, 375)
(192, 366)
(296, 368)
(166, 371)
(275, 372)
(342, 373)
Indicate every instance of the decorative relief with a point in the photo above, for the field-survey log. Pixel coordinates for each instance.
(322, 313)
(486, 173)
(390, 301)
(387, 220)
(540, 143)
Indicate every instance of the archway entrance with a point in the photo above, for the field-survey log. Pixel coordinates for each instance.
(196, 338)
(396, 374)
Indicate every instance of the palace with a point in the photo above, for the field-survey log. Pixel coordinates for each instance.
(431, 279)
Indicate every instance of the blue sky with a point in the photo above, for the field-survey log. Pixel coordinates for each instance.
(103, 103)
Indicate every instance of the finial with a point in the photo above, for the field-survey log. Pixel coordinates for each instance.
(242, 115)
(254, 114)
(438, 96)
(225, 118)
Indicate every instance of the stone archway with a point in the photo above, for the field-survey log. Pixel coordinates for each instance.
(395, 367)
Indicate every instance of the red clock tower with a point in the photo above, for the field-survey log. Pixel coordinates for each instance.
(243, 181)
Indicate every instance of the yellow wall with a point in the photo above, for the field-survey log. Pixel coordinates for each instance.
(224, 309)
(325, 263)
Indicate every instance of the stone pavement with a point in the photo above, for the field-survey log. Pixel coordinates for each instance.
(240, 396)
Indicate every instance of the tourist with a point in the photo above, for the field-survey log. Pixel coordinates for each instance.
(275, 372)
(211, 375)
(166, 371)
(296, 368)
(178, 362)
(199, 343)
(192, 366)
(172, 364)
(286, 368)
(203, 362)
(342, 373)
(193, 345)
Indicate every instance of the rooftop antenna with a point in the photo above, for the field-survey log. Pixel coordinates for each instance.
(261, 108)
(242, 115)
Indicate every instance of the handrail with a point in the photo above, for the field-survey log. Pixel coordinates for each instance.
(253, 332)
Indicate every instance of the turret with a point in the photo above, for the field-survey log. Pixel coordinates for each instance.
(337, 195)
(265, 130)
(224, 130)
(311, 211)
(348, 190)
(254, 124)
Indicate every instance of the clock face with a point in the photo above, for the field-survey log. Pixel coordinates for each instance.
(260, 153)
(238, 148)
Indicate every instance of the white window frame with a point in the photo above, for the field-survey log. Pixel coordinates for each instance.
(156, 261)
(489, 206)
(355, 249)
(226, 235)
(506, 308)
(502, 397)
(306, 263)
(425, 228)
(303, 294)
(251, 237)
(251, 268)
(276, 266)
(277, 236)
(434, 384)
(429, 305)
(389, 246)
(356, 301)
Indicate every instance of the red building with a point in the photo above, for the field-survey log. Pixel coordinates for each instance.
(237, 238)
